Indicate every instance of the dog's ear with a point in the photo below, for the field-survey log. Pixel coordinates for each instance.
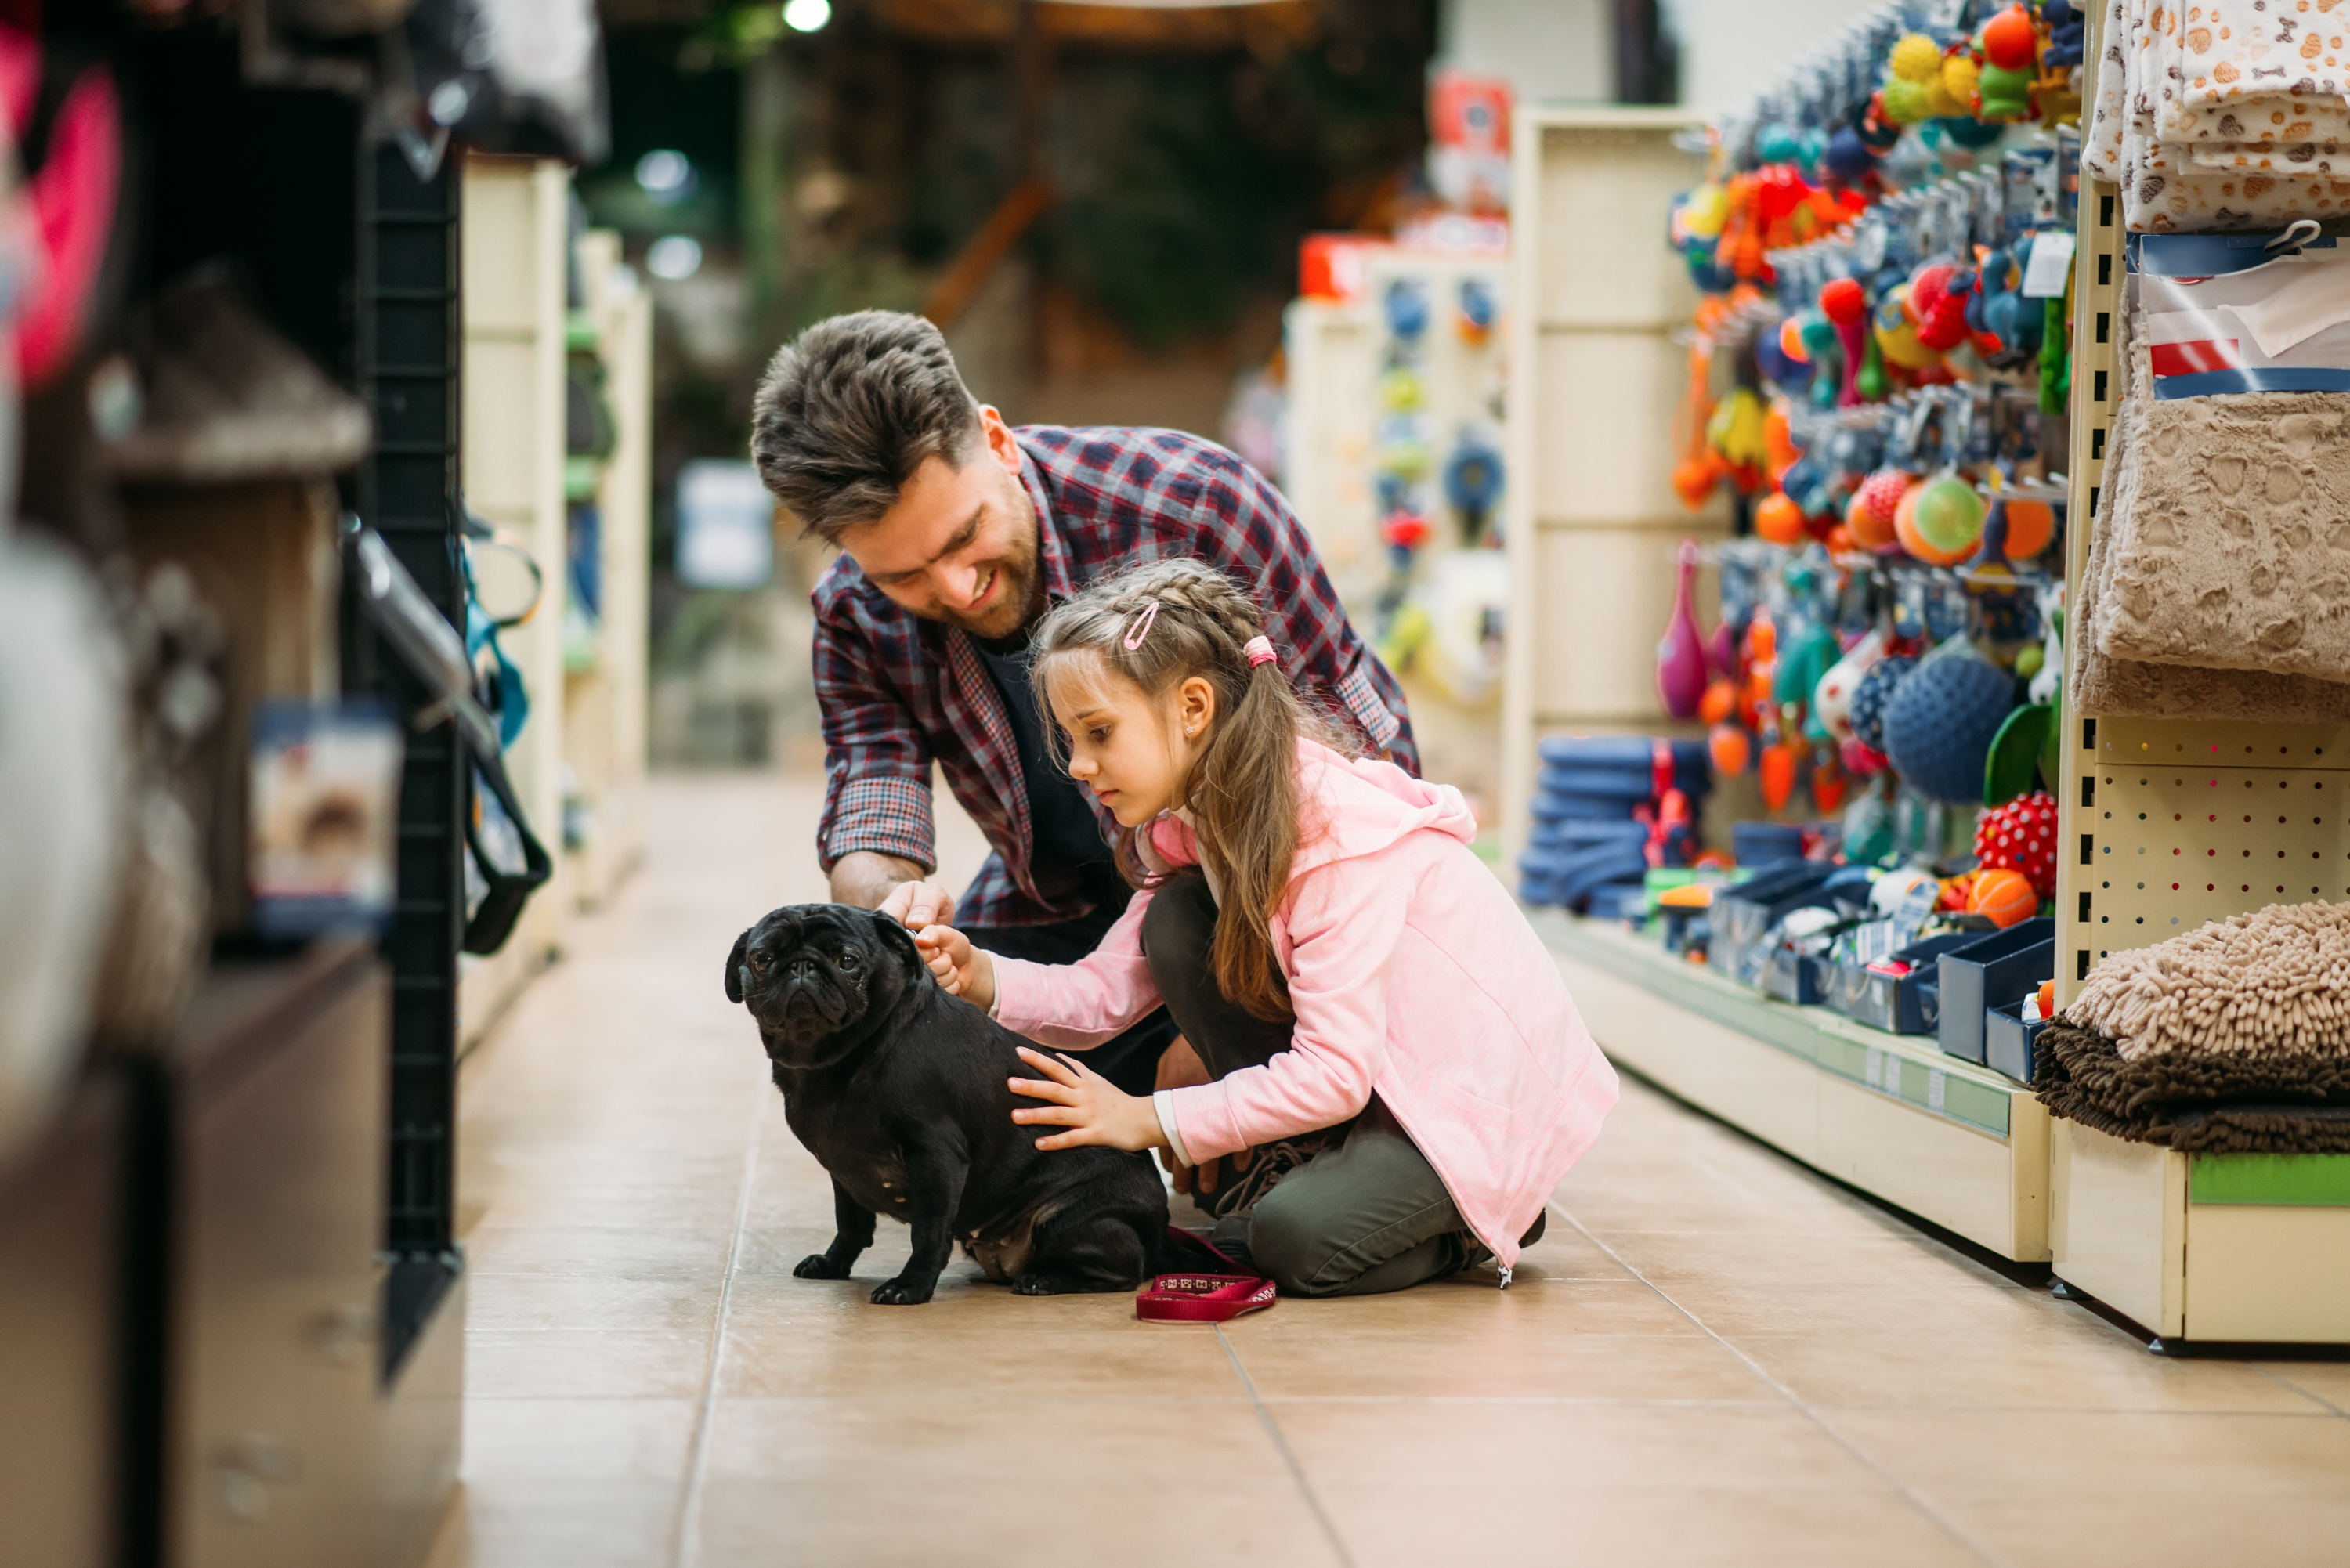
(900, 941)
(734, 966)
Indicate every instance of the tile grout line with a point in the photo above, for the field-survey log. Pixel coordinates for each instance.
(687, 1543)
(2289, 1382)
(1280, 1446)
(1908, 1493)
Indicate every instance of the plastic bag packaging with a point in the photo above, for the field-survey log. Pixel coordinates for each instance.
(2243, 313)
(513, 75)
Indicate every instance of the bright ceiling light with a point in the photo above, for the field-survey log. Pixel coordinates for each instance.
(673, 257)
(666, 176)
(807, 16)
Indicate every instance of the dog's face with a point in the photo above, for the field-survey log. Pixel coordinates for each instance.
(810, 972)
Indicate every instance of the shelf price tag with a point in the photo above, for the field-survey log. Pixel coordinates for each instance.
(2052, 263)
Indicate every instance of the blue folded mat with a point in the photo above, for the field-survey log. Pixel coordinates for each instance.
(1571, 876)
(1575, 832)
(1619, 901)
(1621, 866)
(1632, 784)
(1617, 750)
(1550, 806)
(1620, 784)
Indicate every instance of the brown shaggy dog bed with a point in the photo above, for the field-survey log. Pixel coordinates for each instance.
(2233, 1038)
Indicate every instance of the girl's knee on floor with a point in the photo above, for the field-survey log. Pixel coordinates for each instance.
(1288, 1248)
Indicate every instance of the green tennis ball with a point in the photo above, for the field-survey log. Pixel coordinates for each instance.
(1949, 515)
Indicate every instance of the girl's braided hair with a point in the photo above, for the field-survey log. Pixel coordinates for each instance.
(1242, 790)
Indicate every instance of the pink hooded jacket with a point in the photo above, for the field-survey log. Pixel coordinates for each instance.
(1413, 976)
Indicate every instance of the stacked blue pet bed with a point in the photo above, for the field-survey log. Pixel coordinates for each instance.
(1588, 849)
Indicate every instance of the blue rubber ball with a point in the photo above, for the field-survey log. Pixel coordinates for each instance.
(1848, 159)
(1869, 695)
(1407, 308)
(1941, 723)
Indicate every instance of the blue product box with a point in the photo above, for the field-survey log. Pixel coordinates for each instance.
(2000, 968)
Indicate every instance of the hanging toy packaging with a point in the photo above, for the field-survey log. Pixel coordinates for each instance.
(1882, 242)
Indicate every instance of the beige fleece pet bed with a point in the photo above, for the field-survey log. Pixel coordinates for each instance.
(2228, 597)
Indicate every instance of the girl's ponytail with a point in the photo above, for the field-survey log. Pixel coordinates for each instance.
(1242, 791)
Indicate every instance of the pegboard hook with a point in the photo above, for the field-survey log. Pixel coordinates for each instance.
(2297, 233)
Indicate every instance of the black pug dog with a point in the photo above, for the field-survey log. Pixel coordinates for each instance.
(900, 1091)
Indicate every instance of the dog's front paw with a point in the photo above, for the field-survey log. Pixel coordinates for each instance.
(820, 1266)
(903, 1293)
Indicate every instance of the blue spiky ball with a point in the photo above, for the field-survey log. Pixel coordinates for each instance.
(1940, 724)
(1870, 694)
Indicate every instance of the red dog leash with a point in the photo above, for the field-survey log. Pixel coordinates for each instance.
(1203, 1298)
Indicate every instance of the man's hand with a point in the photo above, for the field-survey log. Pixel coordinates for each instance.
(920, 905)
(866, 879)
(1093, 1109)
(963, 970)
(1180, 1067)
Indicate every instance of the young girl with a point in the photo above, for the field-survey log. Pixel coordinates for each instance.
(1323, 939)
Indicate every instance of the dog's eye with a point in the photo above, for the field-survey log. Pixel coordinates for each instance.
(758, 963)
(848, 960)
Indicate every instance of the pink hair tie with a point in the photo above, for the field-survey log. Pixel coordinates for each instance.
(1143, 622)
(1259, 650)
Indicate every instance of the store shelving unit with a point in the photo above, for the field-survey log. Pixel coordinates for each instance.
(604, 700)
(515, 240)
(407, 362)
(1334, 352)
(1597, 380)
(1953, 1143)
(2194, 1248)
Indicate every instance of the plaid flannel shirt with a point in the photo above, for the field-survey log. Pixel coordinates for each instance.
(898, 692)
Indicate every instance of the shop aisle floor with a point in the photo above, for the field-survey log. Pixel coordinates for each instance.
(1714, 1357)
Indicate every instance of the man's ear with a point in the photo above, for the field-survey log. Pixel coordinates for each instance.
(735, 967)
(1003, 448)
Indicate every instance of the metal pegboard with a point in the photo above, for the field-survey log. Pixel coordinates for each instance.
(2177, 824)
(2082, 926)
(2167, 824)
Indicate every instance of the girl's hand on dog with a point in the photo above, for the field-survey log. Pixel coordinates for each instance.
(965, 971)
(1093, 1109)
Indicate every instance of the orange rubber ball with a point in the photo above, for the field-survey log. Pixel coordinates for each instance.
(1873, 505)
(2031, 528)
(1778, 519)
(2005, 895)
(1730, 750)
(1905, 528)
(2009, 39)
(1695, 478)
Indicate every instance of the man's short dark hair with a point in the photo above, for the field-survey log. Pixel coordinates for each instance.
(847, 411)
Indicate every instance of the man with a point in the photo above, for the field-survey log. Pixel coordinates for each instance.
(956, 533)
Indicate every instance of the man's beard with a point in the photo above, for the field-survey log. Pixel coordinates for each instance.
(1018, 599)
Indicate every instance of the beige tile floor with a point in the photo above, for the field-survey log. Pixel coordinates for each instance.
(1713, 1357)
